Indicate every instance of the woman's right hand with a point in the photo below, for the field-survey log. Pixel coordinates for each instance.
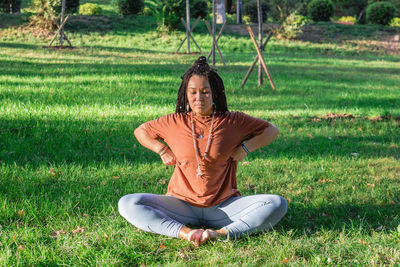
(167, 157)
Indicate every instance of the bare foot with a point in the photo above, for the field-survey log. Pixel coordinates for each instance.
(208, 235)
(195, 236)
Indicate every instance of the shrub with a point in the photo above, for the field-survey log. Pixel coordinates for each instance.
(381, 12)
(292, 26)
(320, 10)
(199, 9)
(167, 12)
(130, 7)
(90, 9)
(395, 22)
(53, 7)
(250, 9)
(347, 19)
(10, 5)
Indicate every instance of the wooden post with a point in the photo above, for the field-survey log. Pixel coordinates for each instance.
(184, 39)
(255, 61)
(213, 31)
(239, 11)
(188, 26)
(260, 56)
(61, 21)
(260, 22)
(59, 31)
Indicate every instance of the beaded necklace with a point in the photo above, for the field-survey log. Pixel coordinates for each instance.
(198, 171)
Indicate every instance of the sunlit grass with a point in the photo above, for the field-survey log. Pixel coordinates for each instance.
(67, 151)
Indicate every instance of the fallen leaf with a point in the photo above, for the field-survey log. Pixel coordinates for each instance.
(78, 230)
(379, 228)
(162, 246)
(310, 135)
(21, 213)
(163, 181)
(309, 187)
(115, 177)
(57, 233)
(244, 163)
(363, 242)
(371, 185)
(20, 247)
(85, 215)
(285, 260)
(105, 236)
(323, 181)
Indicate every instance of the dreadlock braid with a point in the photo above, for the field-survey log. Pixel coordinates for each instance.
(201, 68)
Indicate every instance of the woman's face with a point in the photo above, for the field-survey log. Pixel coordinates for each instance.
(199, 95)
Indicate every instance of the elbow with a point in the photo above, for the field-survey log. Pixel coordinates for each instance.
(137, 131)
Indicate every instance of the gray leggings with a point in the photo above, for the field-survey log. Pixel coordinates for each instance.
(166, 215)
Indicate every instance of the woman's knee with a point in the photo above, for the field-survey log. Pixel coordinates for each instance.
(280, 204)
(128, 202)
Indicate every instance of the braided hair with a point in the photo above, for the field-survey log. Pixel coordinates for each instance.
(201, 68)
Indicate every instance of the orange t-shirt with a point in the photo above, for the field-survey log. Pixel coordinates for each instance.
(218, 180)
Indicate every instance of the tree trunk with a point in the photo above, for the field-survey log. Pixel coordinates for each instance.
(221, 11)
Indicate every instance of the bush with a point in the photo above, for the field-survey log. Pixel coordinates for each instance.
(381, 13)
(281, 9)
(395, 22)
(250, 9)
(320, 10)
(10, 5)
(53, 7)
(199, 9)
(130, 7)
(90, 9)
(167, 12)
(292, 26)
(347, 19)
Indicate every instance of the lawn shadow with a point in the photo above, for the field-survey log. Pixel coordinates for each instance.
(368, 217)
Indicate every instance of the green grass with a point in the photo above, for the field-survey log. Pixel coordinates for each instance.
(67, 151)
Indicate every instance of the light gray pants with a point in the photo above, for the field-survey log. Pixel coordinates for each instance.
(166, 215)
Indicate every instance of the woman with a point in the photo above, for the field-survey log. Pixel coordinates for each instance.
(205, 142)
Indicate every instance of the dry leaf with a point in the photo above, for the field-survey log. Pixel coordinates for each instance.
(371, 185)
(21, 213)
(85, 215)
(310, 135)
(162, 246)
(20, 247)
(115, 177)
(78, 230)
(363, 242)
(163, 181)
(105, 236)
(57, 233)
(285, 260)
(323, 180)
(309, 187)
(379, 228)
(244, 163)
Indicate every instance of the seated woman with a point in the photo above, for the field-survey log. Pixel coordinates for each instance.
(205, 142)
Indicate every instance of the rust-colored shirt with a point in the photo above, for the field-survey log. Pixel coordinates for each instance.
(218, 180)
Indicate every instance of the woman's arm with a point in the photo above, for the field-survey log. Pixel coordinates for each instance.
(155, 145)
(258, 141)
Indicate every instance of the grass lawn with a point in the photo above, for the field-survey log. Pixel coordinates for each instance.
(67, 151)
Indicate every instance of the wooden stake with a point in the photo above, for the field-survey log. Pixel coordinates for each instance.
(190, 35)
(260, 57)
(213, 32)
(255, 60)
(61, 20)
(187, 27)
(191, 30)
(216, 41)
(59, 30)
(260, 38)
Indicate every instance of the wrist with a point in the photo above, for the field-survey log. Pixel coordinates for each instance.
(162, 151)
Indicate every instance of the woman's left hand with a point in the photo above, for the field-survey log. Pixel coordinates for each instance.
(239, 154)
